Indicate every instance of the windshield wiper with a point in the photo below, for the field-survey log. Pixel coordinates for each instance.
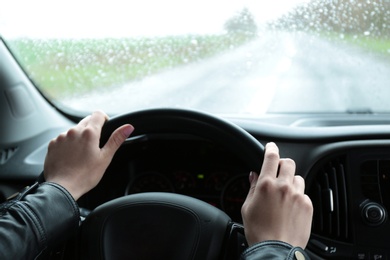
(359, 110)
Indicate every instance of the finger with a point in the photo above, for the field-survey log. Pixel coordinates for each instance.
(84, 121)
(252, 180)
(271, 161)
(299, 183)
(97, 120)
(286, 170)
(116, 139)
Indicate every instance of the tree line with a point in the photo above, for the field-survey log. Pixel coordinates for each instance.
(367, 17)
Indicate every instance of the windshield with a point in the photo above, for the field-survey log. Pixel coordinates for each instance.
(228, 57)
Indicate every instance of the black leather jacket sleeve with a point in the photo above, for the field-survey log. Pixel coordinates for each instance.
(274, 250)
(41, 217)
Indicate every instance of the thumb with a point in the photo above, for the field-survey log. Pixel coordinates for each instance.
(116, 139)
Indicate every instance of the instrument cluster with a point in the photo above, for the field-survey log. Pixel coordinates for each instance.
(192, 167)
(222, 189)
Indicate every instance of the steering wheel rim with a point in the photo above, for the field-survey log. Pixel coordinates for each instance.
(203, 230)
(169, 120)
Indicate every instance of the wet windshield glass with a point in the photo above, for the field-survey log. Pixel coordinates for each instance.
(226, 57)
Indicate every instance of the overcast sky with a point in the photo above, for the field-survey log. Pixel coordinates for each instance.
(115, 18)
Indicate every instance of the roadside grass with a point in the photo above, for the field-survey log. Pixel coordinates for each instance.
(373, 44)
(63, 67)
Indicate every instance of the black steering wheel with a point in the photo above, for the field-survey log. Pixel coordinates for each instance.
(166, 225)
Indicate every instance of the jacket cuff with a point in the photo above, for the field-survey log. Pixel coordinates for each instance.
(56, 212)
(274, 250)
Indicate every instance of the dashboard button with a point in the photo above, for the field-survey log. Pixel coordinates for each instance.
(362, 256)
(378, 256)
(373, 213)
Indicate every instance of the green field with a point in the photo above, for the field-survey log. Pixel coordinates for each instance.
(63, 67)
(372, 44)
(378, 45)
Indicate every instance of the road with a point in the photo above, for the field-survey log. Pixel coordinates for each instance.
(278, 72)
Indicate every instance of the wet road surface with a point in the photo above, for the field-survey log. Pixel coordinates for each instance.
(278, 72)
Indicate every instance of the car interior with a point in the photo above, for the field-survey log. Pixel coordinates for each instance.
(178, 182)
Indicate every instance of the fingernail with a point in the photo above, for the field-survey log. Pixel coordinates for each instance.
(128, 130)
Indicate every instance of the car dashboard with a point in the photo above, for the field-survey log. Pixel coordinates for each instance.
(346, 168)
(347, 178)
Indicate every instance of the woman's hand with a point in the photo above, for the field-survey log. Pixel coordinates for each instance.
(75, 160)
(276, 207)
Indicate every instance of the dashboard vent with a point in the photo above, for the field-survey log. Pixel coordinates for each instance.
(328, 192)
(6, 154)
